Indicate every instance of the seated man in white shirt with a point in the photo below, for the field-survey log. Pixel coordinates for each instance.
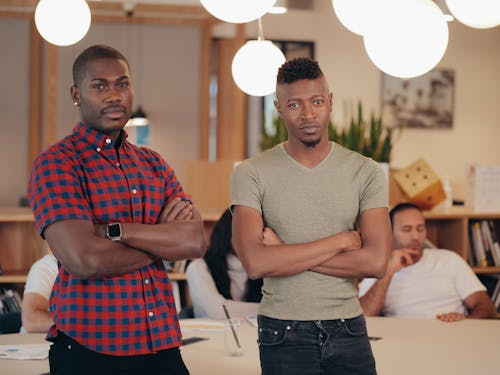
(423, 283)
(35, 307)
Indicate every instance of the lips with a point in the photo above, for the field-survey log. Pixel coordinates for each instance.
(114, 112)
(309, 128)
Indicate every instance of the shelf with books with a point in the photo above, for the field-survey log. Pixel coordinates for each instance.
(451, 229)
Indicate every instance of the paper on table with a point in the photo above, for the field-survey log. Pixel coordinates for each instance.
(27, 351)
(188, 325)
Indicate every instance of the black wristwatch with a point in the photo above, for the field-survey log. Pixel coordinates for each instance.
(114, 231)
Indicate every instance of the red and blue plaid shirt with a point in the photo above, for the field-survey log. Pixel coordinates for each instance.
(84, 177)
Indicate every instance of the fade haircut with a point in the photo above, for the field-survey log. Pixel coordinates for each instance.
(402, 207)
(297, 69)
(91, 54)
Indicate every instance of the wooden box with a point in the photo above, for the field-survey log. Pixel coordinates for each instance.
(420, 184)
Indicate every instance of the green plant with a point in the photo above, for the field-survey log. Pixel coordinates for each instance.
(372, 140)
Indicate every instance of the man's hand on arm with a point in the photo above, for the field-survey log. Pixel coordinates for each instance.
(370, 260)
(178, 235)
(85, 252)
(263, 253)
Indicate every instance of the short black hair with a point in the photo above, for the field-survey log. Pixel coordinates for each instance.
(94, 53)
(402, 207)
(297, 69)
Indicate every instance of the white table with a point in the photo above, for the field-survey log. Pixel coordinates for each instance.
(408, 346)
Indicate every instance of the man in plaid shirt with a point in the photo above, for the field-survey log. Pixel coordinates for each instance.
(111, 211)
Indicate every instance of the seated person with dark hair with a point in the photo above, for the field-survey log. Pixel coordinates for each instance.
(423, 283)
(220, 279)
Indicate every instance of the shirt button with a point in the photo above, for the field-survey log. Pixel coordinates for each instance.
(146, 281)
(98, 149)
(108, 141)
(117, 164)
(150, 314)
(134, 191)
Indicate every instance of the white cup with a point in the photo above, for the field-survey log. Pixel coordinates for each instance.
(232, 342)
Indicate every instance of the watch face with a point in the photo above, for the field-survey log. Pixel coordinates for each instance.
(114, 230)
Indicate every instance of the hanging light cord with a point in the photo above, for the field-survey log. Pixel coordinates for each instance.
(261, 31)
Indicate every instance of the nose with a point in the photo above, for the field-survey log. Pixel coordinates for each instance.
(113, 95)
(308, 111)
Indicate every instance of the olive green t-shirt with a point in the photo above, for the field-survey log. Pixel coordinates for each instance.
(304, 204)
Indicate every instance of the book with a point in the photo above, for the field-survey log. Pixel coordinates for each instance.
(479, 251)
(494, 238)
(491, 256)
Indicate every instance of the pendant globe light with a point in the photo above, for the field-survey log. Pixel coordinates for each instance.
(255, 66)
(407, 38)
(480, 14)
(62, 22)
(237, 11)
(353, 14)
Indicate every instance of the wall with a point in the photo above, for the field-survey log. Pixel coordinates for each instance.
(14, 111)
(170, 79)
(474, 55)
(165, 75)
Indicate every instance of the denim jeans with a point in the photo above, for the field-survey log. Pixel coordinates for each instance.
(67, 357)
(316, 347)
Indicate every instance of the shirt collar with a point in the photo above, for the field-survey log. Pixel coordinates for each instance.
(95, 138)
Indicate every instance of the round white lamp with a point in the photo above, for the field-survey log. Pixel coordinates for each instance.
(481, 14)
(237, 11)
(408, 38)
(255, 67)
(62, 22)
(354, 14)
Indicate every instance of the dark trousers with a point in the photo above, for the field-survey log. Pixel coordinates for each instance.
(67, 357)
(319, 347)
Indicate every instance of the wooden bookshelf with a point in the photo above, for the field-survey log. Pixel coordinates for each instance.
(449, 229)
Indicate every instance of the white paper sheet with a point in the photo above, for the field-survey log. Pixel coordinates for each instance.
(27, 351)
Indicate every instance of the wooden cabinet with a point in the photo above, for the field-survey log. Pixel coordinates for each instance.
(449, 229)
(20, 244)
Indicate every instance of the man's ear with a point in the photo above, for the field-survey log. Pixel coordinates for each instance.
(75, 94)
(277, 106)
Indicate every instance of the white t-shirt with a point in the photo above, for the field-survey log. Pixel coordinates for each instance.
(207, 302)
(41, 278)
(436, 284)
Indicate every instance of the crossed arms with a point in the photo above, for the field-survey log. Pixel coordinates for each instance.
(345, 254)
(84, 250)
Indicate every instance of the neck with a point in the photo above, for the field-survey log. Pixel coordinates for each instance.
(308, 156)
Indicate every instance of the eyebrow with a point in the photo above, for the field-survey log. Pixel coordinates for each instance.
(315, 96)
(105, 80)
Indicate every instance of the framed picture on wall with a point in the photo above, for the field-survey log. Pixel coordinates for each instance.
(424, 102)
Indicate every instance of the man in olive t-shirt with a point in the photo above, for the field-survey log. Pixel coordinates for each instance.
(296, 210)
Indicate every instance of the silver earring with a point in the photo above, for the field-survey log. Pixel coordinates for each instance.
(76, 104)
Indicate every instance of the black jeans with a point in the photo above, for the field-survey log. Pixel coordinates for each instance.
(339, 347)
(67, 357)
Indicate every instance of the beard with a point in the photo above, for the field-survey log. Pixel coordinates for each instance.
(312, 143)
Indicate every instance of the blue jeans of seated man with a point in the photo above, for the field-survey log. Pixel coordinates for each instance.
(339, 347)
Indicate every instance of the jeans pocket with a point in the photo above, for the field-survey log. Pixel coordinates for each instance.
(355, 326)
(272, 331)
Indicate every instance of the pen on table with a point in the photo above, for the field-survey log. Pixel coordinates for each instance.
(232, 328)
